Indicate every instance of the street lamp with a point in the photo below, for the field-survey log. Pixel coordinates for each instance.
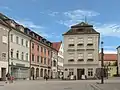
(102, 64)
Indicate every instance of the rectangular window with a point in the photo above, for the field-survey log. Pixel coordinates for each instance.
(38, 48)
(26, 43)
(17, 40)
(32, 45)
(41, 59)
(71, 55)
(32, 57)
(22, 42)
(71, 71)
(44, 51)
(80, 40)
(37, 58)
(71, 45)
(48, 61)
(17, 54)
(90, 55)
(44, 60)
(41, 49)
(80, 57)
(11, 37)
(90, 40)
(3, 55)
(26, 56)
(90, 71)
(4, 39)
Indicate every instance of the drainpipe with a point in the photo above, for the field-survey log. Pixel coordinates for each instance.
(9, 50)
(57, 67)
(30, 59)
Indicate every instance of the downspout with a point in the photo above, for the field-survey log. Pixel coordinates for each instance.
(30, 59)
(57, 66)
(9, 50)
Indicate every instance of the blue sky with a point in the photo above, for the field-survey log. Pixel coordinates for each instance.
(51, 18)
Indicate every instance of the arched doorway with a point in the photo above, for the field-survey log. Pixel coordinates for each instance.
(45, 72)
(41, 72)
(37, 72)
(49, 73)
(32, 72)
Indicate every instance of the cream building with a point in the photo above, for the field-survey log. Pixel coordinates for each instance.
(81, 51)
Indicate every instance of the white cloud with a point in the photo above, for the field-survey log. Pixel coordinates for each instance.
(80, 14)
(109, 29)
(109, 52)
(6, 8)
(76, 16)
(29, 24)
(53, 13)
(37, 28)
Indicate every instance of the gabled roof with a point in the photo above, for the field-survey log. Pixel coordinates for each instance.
(81, 28)
(56, 45)
(109, 57)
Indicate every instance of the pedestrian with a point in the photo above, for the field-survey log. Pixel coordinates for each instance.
(7, 78)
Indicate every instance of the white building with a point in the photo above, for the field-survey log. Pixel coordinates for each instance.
(54, 63)
(17, 46)
(81, 50)
(60, 58)
(3, 49)
(19, 52)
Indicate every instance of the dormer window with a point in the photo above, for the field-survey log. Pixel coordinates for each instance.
(21, 28)
(12, 23)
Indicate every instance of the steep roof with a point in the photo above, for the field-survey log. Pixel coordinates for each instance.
(81, 28)
(56, 45)
(109, 57)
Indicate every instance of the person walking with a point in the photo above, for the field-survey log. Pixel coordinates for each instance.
(7, 78)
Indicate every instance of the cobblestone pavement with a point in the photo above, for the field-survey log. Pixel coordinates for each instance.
(112, 84)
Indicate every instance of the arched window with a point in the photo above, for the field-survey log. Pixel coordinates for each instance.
(22, 56)
(11, 53)
(54, 63)
(17, 54)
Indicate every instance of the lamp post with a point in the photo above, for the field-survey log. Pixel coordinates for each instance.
(102, 64)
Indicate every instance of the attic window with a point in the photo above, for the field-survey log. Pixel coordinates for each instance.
(79, 30)
(12, 23)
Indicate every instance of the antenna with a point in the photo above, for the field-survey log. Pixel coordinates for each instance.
(85, 19)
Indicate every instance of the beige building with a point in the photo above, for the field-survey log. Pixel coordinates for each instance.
(81, 51)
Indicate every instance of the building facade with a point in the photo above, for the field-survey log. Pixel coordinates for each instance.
(40, 57)
(29, 54)
(110, 63)
(118, 59)
(54, 63)
(60, 58)
(81, 51)
(3, 49)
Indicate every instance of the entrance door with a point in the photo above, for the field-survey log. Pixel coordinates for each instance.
(80, 72)
(3, 74)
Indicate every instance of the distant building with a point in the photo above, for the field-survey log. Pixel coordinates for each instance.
(24, 54)
(54, 63)
(118, 59)
(3, 49)
(110, 63)
(60, 58)
(81, 51)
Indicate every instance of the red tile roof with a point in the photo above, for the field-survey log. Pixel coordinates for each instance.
(56, 45)
(109, 57)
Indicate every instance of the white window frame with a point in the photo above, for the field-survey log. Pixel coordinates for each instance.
(90, 72)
